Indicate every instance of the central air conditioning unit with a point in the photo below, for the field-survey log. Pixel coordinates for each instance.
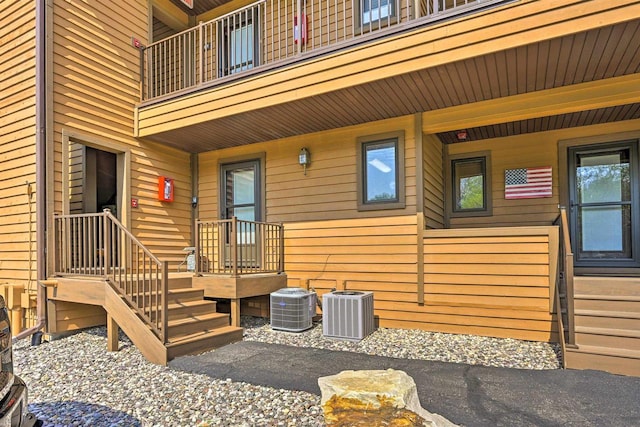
(347, 315)
(292, 309)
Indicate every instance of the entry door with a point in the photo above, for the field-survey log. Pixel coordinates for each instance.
(604, 205)
(241, 197)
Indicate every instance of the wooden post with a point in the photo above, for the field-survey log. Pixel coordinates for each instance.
(196, 243)
(112, 334)
(234, 246)
(165, 301)
(281, 257)
(107, 244)
(201, 52)
(235, 312)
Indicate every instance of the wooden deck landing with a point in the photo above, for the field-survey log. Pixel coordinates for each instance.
(236, 288)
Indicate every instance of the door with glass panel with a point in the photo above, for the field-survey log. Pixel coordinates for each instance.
(604, 205)
(240, 198)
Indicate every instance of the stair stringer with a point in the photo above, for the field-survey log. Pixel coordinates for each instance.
(138, 332)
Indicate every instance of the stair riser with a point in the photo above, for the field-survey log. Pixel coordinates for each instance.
(204, 344)
(607, 305)
(198, 326)
(608, 341)
(613, 364)
(607, 286)
(188, 311)
(608, 322)
(195, 295)
(179, 282)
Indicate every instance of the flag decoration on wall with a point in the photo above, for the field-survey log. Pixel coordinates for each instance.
(527, 183)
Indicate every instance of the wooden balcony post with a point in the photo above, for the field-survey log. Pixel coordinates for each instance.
(234, 246)
(107, 243)
(281, 254)
(57, 243)
(299, 15)
(200, 54)
(196, 244)
(164, 285)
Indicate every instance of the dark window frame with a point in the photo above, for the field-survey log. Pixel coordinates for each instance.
(452, 210)
(396, 138)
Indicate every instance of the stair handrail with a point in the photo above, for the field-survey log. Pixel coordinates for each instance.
(98, 245)
(127, 281)
(565, 277)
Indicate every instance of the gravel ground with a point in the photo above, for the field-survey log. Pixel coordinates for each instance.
(74, 381)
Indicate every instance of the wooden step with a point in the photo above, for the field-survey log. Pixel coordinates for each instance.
(607, 337)
(614, 360)
(591, 285)
(200, 342)
(628, 304)
(607, 319)
(178, 282)
(181, 295)
(196, 324)
(189, 308)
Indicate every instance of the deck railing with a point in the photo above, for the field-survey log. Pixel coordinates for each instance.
(564, 286)
(269, 31)
(99, 245)
(236, 247)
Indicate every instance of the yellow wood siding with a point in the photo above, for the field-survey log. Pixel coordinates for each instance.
(433, 182)
(329, 189)
(17, 143)
(522, 151)
(494, 281)
(440, 44)
(95, 89)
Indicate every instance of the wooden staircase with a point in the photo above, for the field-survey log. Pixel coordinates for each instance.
(607, 325)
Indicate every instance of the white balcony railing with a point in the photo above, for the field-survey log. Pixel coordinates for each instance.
(269, 31)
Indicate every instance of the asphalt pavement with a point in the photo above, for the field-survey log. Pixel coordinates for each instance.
(465, 394)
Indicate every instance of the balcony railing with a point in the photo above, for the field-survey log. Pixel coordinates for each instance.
(236, 247)
(269, 31)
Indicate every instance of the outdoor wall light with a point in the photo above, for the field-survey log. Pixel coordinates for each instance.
(304, 158)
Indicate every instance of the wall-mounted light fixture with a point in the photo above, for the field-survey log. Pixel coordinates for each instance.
(304, 158)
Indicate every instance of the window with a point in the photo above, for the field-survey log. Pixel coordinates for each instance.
(238, 44)
(376, 13)
(470, 185)
(381, 172)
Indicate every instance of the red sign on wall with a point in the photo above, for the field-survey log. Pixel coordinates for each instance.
(188, 3)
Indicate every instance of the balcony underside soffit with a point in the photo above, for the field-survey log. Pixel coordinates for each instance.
(593, 55)
(199, 6)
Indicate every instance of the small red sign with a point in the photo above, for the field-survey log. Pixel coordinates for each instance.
(134, 203)
(188, 3)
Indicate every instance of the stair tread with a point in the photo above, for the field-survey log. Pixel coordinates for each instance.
(608, 297)
(608, 331)
(606, 351)
(197, 318)
(183, 339)
(607, 313)
(196, 303)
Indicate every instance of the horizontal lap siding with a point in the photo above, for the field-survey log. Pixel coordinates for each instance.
(17, 143)
(433, 182)
(524, 151)
(491, 284)
(373, 254)
(96, 80)
(95, 90)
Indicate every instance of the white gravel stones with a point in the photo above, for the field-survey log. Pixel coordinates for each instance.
(418, 344)
(75, 381)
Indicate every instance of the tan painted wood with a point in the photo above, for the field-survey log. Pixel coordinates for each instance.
(112, 334)
(235, 312)
(239, 287)
(148, 344)
(447, 44)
